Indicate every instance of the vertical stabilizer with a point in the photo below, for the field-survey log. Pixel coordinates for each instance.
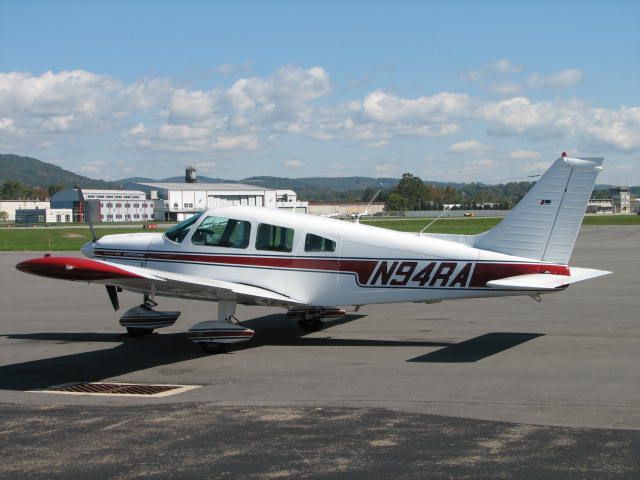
(545, 223)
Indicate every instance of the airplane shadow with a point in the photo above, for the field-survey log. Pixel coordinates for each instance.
(134, 354)
(477, 348)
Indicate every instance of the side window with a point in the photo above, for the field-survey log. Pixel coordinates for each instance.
(222, 232)
(315, 243)
(271, 237)
(177, 233)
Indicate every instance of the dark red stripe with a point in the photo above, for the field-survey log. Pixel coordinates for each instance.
(485, 272)
(73, 268)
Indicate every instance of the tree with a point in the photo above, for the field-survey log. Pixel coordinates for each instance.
(396, 203)
(53, 189)
(14, 190)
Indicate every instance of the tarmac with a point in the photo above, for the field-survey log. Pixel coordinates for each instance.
(475, 388)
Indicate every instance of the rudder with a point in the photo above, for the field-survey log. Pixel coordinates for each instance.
(544, 225)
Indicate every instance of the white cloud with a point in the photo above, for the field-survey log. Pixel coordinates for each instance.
(563, 79)
(386, 170)
(383, 107)
(523, 155)
(470, 146)
(94, 167)
(293, 163)
(593, 127)
(281, 98)
(506, 88)
(504, 67)
(60, 109)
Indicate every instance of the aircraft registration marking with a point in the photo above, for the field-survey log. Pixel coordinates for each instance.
(425, 274)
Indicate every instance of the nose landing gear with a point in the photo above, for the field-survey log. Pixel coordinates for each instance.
(143, 320)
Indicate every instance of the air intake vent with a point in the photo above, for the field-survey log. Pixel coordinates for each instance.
(119, 389)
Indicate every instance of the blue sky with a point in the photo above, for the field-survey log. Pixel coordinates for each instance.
(486, 91)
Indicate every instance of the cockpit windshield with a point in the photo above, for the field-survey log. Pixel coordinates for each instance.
(177, 233)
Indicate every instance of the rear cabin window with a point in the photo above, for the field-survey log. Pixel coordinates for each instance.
(272, 237)
(316, 243)
(222, 232)
(177, 233)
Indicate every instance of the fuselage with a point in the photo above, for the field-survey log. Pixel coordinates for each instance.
(320, 261)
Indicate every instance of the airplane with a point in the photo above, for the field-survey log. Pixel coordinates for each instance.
(317, 267)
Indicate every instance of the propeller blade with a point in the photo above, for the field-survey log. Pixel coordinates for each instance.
(113, 296)
(87, 215)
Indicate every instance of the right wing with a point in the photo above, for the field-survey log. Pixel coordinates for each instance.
(152, 281)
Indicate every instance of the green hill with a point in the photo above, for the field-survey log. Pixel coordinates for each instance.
(35, 173)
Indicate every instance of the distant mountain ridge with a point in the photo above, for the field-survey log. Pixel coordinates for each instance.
(34, 173)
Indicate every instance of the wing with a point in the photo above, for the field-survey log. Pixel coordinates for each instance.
(541, 282)
(151, 281)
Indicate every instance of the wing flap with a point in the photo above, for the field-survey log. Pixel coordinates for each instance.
(152, 281)
(544, 281)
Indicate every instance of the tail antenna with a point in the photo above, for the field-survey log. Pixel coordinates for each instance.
(85, 211)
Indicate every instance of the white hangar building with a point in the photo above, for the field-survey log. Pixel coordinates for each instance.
(107, 205)
(182, 200)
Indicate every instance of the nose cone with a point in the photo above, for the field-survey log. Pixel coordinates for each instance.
(88, 249)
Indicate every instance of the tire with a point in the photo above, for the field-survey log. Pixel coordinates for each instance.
(138, 331)
(212, 348)
(310, 325)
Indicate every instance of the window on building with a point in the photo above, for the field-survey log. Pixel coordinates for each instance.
(109, 205)
(222, 232)
(67, 218)
(316, 243)
(118, 217)
(136, 205)
(275, 238)
(118, 205)
(127, 205)
(177, 233)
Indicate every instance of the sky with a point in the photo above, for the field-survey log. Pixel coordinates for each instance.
(488, 91)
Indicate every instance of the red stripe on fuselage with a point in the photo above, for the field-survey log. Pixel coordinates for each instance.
(485, 272)
(363, 268)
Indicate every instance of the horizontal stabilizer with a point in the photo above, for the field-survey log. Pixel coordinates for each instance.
(540, 282)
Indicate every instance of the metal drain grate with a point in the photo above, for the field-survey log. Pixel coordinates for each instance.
(118, 389)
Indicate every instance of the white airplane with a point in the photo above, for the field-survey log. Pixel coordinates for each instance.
(315, 267)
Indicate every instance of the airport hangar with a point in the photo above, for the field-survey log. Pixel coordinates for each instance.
(161, 201)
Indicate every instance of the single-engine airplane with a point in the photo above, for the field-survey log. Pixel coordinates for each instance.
(315, 267)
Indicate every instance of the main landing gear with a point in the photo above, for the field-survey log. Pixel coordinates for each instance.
(310, 319)
(215, 336)
(143, 319)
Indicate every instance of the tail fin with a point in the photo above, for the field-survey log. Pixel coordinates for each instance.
(545, 223)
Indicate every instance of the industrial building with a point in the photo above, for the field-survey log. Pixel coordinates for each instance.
(171, 201)
(182, 200)
(11, 206)
(619, 201)
(106, 205)
(44, 215)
